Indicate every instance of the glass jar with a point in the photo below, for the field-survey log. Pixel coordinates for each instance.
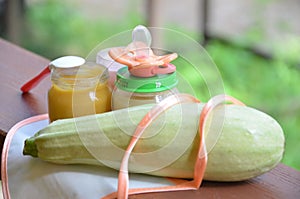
(78, 91)
(104, 59)
(133, 91)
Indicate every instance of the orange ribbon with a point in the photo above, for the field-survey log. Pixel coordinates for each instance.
(201, 160)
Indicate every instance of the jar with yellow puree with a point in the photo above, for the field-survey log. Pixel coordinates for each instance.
(78, 90)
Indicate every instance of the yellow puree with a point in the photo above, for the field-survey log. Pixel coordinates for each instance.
(73, 102)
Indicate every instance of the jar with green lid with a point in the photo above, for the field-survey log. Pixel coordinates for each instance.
(133, 91)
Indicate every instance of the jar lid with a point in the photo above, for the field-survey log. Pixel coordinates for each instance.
(104, 59)
(126, 81)
(67, 62)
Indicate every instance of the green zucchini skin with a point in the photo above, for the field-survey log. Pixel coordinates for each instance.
(249, 142)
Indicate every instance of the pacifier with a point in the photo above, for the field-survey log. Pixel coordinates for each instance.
(139, 57)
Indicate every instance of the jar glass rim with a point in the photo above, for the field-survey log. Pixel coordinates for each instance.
(87, 74)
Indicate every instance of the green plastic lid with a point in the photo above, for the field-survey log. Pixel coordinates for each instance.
(127, 82)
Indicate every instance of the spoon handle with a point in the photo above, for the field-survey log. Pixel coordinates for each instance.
(34, 81)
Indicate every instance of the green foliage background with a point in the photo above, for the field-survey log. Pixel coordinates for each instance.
(270, 85)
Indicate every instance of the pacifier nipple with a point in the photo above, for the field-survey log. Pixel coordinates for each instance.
(141, 37)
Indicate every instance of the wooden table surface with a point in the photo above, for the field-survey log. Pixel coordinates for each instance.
(18, 65)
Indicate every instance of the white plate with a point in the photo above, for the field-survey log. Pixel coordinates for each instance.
(26, 177)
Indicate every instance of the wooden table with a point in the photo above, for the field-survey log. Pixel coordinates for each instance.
(18, 65)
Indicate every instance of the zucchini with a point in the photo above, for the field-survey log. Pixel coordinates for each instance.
(249, 142)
